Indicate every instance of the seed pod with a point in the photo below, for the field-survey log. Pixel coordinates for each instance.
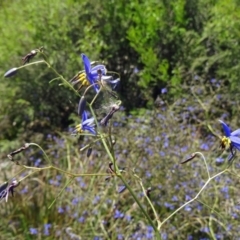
(29, 56)
(105, 120)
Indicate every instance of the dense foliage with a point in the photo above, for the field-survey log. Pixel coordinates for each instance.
(179, 68)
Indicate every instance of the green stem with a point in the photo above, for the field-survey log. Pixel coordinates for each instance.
(199, 153)
(151, 205)
(33, 63)
(141, 207)
(62, 171)
(58, 74)
(59, 194)
(193, 199)
(45, 155)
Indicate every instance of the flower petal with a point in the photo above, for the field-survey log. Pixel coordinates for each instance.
(235, 142)
(88, 122)
(91, 130)
(225, 128)
(236, 132)
(96, 68)
(87, 64)
(84, 116)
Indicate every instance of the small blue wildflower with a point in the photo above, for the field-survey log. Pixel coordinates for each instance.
(187, 198)
(120, 237)
(97, 238)
(157, 138)
(204, 146)
(81, 219)
(135, 70)
(128, 218)
(230, 140)
(175, 198)
(169, 205)
(46, 229)
(204, 229)
(164, 90)
(219, 160)
(162, 154)
(187, 208)
(75, 201)
(164, 236)
(24, 190)
(96, 200)
(234, 215)
(37, 162)
(86, 125)
(237, 207)
(33, 231)
(60, 210)
(118, 214)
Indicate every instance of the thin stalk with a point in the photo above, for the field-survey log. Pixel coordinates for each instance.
(33, 63)
(151, 205)
(59, 170)
(44, 153)
(141, 207)
(60, 193)
(193, 199)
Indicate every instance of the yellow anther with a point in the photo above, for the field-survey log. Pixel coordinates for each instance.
(85, 82)
(79, 128)
(225, 142)
(82, 76)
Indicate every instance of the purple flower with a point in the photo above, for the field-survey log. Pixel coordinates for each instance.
(164, 90)
(230, 140)
(118, 214)
(5, 189)
(33, 231)
(87, 124)
(94, 74)
(46, 228)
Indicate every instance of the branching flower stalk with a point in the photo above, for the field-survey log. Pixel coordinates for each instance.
(102, 137)
(94, 77)
(200, 191)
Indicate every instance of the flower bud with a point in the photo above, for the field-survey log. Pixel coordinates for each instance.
(81, 106)
(10, 72)
(2, 188)
(89, 151)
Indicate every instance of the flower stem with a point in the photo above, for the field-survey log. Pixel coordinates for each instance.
(158, 236)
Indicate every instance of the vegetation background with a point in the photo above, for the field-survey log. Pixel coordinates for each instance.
(179, 65)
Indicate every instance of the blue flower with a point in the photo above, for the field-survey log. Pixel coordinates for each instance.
(230, 140)
(33, 231)
(86, 125)
(90, 75)
(5, 189)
